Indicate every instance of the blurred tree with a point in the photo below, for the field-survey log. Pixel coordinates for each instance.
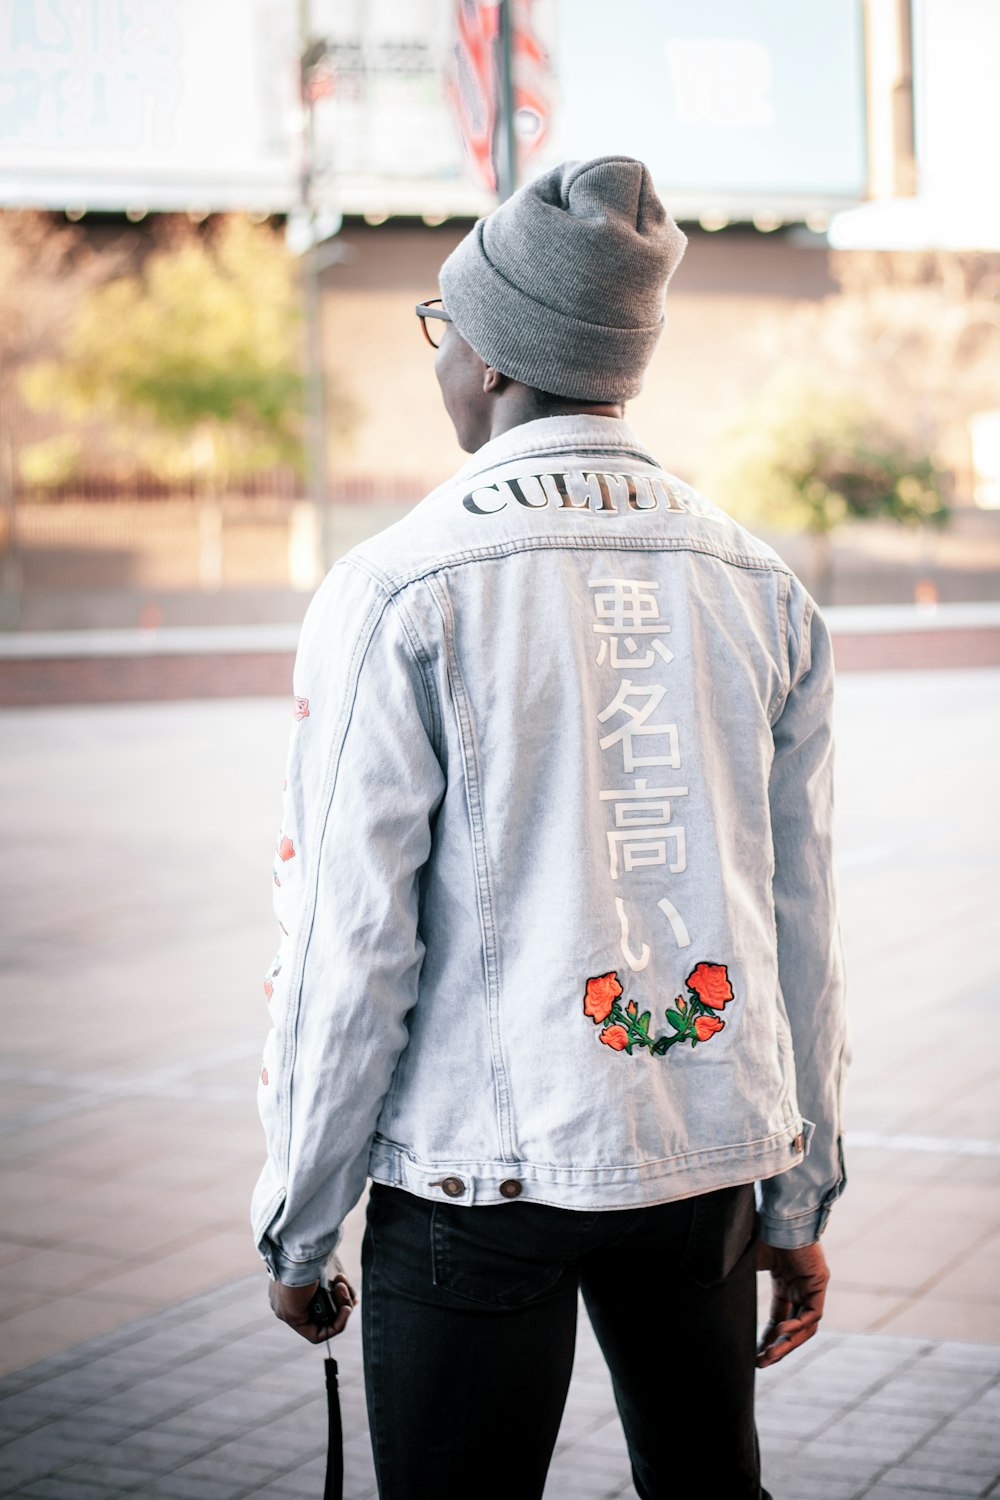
(46, 266)
(916, 335)
(805, 457)
(196, 359)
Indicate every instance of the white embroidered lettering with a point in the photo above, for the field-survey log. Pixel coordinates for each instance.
(635, 964)
(643, 832)
(676, 921)
(638, 726)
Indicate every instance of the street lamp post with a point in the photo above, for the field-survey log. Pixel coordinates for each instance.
(505, 148)
(312, 54)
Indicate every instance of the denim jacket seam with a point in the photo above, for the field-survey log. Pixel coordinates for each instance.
(484, 888)
(601, 450)
(803, 1213)
(337, 741)
(261, 1224)
(440, 1164)
(296, 1260)
(806, 653)
(413, 637)
(422, 659)
(497, 550)
(780, 697)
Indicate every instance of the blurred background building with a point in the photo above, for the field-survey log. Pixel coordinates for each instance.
(217, 220)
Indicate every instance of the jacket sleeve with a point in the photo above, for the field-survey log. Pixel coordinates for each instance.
(795, 1205)
(362, 785)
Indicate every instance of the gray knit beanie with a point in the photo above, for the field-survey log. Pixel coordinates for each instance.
(562, 286)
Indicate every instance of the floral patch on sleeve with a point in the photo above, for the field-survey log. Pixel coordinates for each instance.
(693, 1020)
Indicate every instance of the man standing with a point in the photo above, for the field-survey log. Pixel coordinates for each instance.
(560, 967)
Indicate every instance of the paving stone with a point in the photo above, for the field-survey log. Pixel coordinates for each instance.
(931, 1481)
(174, 1487)
(223, 1423)
(816, 1488)
(831, 1461)
(43, 1451)
(892, 1492)
(305, 1482)
(788, 1420)
(67, 1489)
(239, 1472)
(132, 1453)
(113, 1476)
(982, 1463)
(588, 1487)
(84, 1428)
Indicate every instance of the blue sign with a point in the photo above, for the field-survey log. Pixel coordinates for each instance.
(719, 96)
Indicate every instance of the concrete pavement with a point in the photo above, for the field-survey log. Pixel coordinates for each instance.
(208, 1401)
(136, 932)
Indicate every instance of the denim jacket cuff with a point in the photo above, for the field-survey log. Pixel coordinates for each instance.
(281, 1267)
(793, 1233)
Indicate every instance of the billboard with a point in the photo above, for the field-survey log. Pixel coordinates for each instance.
(181, 104)
(732, 105)
(164, 104)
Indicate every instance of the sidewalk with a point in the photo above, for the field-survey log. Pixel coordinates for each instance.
(211, 1401)
(136, 933)
(233, 661)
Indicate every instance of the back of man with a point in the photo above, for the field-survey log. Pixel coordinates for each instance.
(559, 913)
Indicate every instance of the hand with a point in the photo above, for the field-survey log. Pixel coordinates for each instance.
(798, 1292)
(291, 1305)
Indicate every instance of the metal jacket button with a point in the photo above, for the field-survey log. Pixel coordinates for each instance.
(453, 1186)
(511, 1188)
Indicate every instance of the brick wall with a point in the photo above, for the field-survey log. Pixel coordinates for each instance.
(121, 679)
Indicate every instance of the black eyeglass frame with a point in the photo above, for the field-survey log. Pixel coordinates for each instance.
(432, 308)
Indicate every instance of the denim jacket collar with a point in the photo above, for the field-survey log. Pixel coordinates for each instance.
(575, 434)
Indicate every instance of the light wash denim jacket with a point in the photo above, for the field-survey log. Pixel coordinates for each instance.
(554, 877)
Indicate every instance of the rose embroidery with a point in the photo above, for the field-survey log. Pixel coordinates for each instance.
(693, 1020)
(710, 983)
(600, 996)
(706, 1026)
(286, 849)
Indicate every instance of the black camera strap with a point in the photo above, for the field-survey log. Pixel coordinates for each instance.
(323, 1312)
(334, 1487)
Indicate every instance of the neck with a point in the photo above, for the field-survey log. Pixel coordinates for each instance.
(518, 406)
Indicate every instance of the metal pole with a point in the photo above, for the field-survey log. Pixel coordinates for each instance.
(505, 145)
(313, 303)
(904, 135)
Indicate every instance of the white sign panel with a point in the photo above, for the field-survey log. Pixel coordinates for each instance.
(168, 104)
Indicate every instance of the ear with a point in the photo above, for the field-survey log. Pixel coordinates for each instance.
(492, 380)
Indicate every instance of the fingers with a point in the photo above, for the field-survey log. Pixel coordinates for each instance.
(797, 1301)
(346, 1298)
(779, 1339)
(293, 1305)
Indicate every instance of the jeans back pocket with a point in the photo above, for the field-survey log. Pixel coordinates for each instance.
(723, 1225)
(494, 1256)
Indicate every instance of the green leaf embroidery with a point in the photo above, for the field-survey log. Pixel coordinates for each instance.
(601, 1005)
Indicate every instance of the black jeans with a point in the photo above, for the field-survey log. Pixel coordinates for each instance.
(468, 1320)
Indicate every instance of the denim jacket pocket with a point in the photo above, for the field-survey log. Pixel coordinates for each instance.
(723, 1226)
(475, 1256)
